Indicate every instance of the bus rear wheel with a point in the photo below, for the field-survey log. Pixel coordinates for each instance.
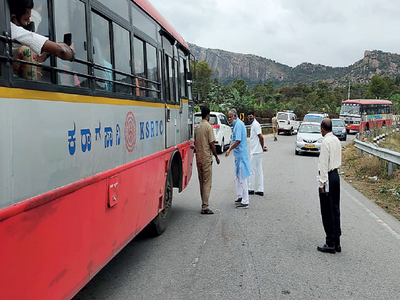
(160, 222)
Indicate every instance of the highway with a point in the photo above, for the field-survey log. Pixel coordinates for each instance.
(267, 251)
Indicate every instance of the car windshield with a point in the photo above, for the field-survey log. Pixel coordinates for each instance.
(313, 118)
(310, 128)
(337, 123)
(282, 117)
(213, 119)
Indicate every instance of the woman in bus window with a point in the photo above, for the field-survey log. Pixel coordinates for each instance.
(32, 43)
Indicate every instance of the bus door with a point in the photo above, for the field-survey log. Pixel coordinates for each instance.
(173, 119)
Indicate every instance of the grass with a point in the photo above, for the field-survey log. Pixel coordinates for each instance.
(370, 176)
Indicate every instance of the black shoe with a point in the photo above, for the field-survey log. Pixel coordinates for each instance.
(325, 248)
(259, 193)
(251, 192)
(338, 248)
(242, 205)
(238, 200)
(207, 211)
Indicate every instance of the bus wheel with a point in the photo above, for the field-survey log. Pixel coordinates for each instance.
(160, 222)
(348, 131)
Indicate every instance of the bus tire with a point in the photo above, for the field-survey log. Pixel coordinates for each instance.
(348, 131)
(160, 222)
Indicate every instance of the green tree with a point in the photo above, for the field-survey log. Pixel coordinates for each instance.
(202, 81)
(379, 87)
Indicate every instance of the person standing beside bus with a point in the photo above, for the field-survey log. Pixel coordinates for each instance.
(205, 149)
(330, 160)
(275, 127)
(33, 44)
(257, 148)
(242, 164)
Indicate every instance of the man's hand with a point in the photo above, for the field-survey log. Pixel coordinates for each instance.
(321, 190)
(217, 159)
(265, 149)
(227, 153)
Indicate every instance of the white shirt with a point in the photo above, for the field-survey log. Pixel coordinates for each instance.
(255, 145)
(330, 157)
(31, 39)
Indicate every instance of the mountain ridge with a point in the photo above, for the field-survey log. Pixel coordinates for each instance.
(257, 69)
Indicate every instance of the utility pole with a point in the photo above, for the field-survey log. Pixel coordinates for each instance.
(348, 91)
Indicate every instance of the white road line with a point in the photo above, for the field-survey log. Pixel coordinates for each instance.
(386, 226)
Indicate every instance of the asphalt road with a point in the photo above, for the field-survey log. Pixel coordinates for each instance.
(265, 252)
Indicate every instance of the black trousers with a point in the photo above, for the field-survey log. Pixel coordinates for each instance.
(330, 210)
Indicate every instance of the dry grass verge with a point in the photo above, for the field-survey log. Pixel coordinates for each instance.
(369, 175)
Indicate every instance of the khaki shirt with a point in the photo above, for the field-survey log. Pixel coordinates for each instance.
(274, 122)
(203, 136)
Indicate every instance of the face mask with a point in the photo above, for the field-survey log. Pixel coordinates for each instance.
(251, 120)
(30, 27)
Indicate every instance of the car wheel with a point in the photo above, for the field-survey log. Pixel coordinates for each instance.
(345, 138)
(296, 152)
(291, 131)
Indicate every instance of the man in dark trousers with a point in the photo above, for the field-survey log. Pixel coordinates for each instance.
(330, 160)
(205, 149)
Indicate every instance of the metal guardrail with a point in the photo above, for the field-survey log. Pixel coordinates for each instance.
(266, 125)
(390, 156)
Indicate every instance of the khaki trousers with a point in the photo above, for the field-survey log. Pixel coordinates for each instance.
(275, 131)
(205, 179)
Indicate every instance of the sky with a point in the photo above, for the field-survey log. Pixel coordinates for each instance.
(328, 32)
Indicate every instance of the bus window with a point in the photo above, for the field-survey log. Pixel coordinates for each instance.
(182, 76)
(120, 7)
(169, 78)
(101, 52)
(143, 22)
(176, 81)
(39, 17)
(152, 70)
(70, 16)
(122, 54)
(138, 54)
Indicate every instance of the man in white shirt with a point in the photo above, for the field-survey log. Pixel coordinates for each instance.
(330, 160)
(256, 151)
(20, 13)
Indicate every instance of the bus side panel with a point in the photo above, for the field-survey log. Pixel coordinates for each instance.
(53, 250)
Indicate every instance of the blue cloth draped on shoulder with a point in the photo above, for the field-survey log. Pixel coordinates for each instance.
(241, 155)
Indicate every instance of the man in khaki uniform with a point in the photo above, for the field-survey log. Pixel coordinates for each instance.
(204, 141)
(275, 127)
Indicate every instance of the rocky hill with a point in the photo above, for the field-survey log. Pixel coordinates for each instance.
(256, 69)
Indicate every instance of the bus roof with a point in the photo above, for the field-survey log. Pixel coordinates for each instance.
(367, 101)
(150, 9)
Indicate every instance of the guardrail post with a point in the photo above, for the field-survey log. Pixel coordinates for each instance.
(360, 152)
(390, 169)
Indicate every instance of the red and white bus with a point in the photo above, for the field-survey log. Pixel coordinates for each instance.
(366, 114)
(91, 152)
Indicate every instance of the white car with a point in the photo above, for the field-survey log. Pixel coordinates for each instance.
(309, 138)
(315, 116)
(287, 122)
(221, 127)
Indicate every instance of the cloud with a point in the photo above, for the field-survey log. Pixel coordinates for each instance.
(333, 33)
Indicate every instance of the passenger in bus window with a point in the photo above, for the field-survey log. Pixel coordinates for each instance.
(32, 43)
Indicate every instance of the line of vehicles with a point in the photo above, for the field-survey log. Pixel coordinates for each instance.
(357, 115)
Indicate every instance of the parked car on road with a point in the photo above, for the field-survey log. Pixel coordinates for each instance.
(309, 138)
(287, 122)
(339, 129)
(221, 127)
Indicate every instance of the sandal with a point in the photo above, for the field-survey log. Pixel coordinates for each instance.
(207, 211)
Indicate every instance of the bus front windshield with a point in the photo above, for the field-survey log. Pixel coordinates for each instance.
(350, 109)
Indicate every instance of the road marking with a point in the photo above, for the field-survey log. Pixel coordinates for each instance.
(386, 226)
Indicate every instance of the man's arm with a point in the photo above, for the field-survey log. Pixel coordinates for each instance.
(323, 166)
(61, 50)
(214, 151)
(261, 138)
(233, 146)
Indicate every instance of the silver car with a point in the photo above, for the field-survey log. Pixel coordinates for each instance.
(309, 138)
